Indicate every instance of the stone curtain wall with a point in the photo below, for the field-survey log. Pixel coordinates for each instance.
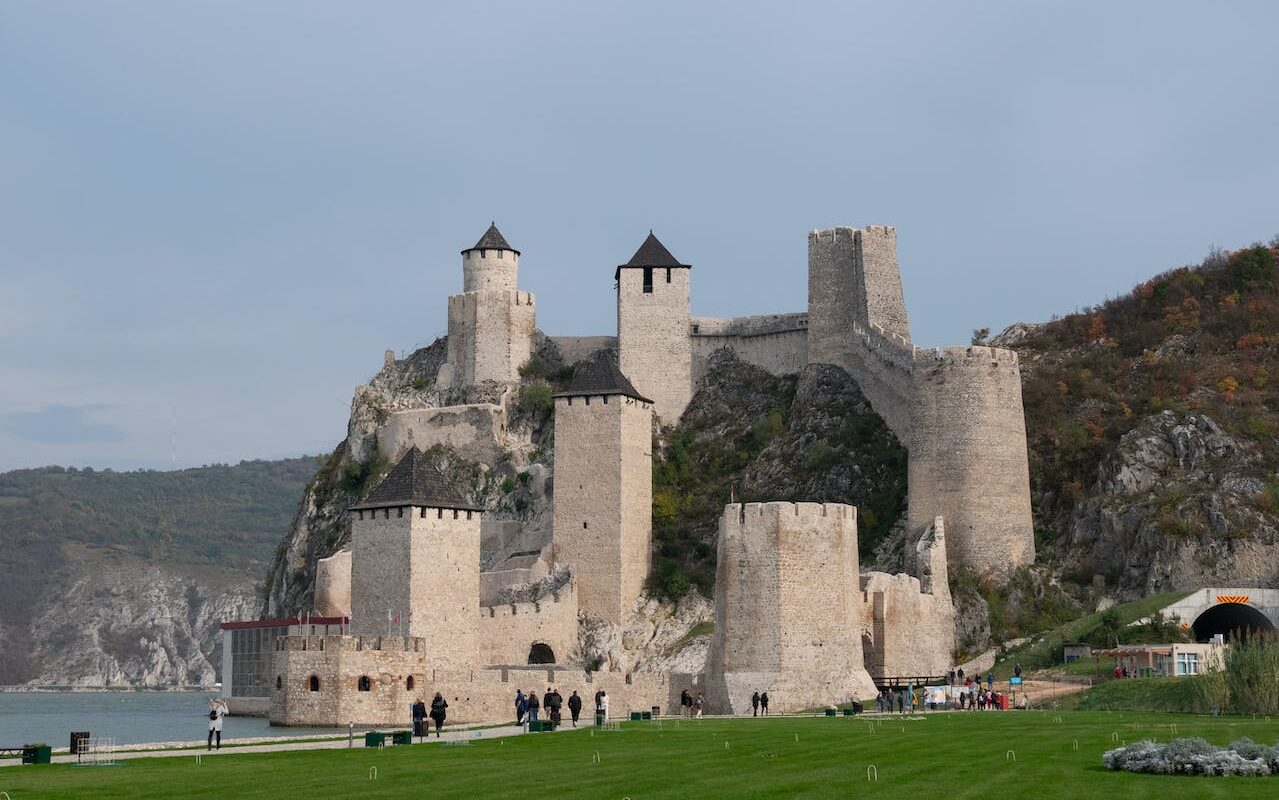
(508, 631)
(787, 608)
(775, 342)
(579, 348)
(655, 349)
(483, 695)
(424, 568)
(603, 499)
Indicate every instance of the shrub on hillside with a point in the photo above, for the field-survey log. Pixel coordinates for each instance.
(1194, 756)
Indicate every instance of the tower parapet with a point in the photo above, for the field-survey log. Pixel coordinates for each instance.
(491, 324)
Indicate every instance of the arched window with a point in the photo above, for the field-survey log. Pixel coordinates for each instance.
(314, 683)
(364, 683)
(279, 682)
(541, 653)
(409, 683)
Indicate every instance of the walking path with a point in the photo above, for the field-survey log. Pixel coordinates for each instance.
(191, 749)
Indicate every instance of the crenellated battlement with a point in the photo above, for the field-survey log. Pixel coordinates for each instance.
(564, 596)
(750, 514)
(974, 355)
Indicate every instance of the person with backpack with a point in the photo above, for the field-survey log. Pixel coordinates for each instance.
(574, 707)
(438, 706)
(420, 728)
(217, 710)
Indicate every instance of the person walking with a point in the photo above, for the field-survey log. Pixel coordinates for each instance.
(763, 704)
(990, 679)
(217, 710)
(901, 702)
(548, 703)
(601, 707)
(700, 702)
(533, 706)
(521, 706)
(685, 702)
(755, 705)
(574, 707)
(420, 728)
(879, 701)
(438, 706)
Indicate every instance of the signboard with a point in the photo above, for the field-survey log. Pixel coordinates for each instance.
(1014, 680)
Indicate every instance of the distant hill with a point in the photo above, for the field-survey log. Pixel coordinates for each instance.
(194, 531)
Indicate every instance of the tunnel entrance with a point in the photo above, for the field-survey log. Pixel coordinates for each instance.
(1230, 619)
(541, 653)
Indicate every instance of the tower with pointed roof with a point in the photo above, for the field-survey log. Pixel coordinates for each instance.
(603, 497)
(655, 345)
(415, 562)
(491, 323)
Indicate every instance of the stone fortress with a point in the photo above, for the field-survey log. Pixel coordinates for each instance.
(432, 583)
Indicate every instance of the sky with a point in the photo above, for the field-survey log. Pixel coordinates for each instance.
(216, 216)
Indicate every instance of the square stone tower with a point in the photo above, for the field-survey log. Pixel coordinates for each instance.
(654, 340)
(415, 562)
(491, 323)
(603, 497)
(787, 608)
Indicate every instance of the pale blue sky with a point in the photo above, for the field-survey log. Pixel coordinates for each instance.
(231, 209)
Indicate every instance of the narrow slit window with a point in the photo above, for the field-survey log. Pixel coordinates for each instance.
(648, 280)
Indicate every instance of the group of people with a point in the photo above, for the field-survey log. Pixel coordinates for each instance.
(439, 710)
(527, 706)
(692, 706)
(759, 702)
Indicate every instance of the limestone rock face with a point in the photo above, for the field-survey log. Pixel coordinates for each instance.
(660, 636)
(1175, 506)
(136, 625)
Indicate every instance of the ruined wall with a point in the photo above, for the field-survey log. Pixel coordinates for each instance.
(423, 565)
(333, 585)
(654, 347)
(603, 499)
(968, 460)
(787, 608)
(775, 342)
(508, 631)
(908, 622)
(474, 432)
(481, 695)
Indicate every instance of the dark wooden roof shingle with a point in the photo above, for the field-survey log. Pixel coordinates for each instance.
(651, 253)
(492, 240)
(415, 481)
(600, 376)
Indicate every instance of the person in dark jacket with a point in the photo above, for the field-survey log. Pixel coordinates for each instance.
(533, 706)
(755, 705)
(548, 703)
(574, 707)
(763, 703)
(438, 706)
(419, 719)
(521, 706)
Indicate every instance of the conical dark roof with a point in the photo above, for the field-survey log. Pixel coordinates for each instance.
(652, 253)
(600, 376)
(415, 481)
(492, 240)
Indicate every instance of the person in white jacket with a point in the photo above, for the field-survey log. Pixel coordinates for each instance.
(217, 710)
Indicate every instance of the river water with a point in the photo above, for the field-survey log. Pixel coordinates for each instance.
(129, 717)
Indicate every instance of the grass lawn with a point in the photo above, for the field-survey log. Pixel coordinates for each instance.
(958, 755)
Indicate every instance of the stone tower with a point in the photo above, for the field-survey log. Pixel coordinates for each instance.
(415, 562)
(653, 337)
(491, 323)
(852, 277)
(787, 608)
(603, 498)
